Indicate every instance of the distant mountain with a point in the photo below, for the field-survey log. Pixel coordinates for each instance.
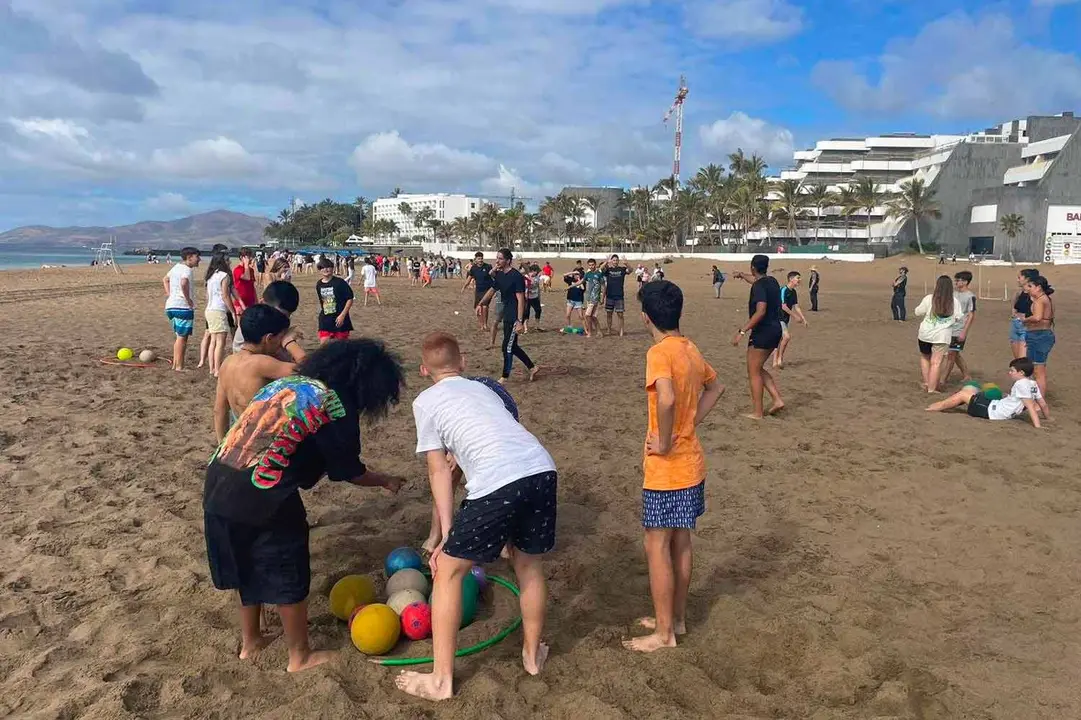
(220, 226)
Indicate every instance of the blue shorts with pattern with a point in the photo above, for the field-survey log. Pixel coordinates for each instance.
(183, 320)
(673, 509)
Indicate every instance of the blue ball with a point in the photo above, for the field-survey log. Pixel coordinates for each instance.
(400, 559)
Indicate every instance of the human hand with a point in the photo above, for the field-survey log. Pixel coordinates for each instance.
(518, 326)
(654, 446)
(339, 320)
(736, 338)
(433, 559)
(804, 321)
(478, 310)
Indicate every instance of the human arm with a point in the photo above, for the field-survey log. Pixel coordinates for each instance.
(970, 317)
(1042, 404)
(221, 412)
(165, 284)
(340, 320)
(1033, 413)
(485, 299)
(272, 368)
(752, 322)
(468, 282)
(798, 312)
(185, 287)
(661, 442)
(924, 307)
(1041, 308)
(231, 298)
(292, 346)
(711, 393)
(521, 309)
(743, 276)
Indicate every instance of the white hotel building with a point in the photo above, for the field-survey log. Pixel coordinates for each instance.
(447, 208)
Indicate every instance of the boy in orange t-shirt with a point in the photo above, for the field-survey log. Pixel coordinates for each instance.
(681, 389)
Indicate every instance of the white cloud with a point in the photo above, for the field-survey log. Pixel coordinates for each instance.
(387, 159)
(221, 158)
(744, 22)
(957, 66)
(773, 143)
(169, 204)
(508, 180)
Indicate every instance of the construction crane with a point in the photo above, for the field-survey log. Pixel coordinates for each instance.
(677, 110)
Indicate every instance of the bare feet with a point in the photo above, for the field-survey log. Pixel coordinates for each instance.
(424, 685)
(533, 665)
(533, 373)
(752, 416)
(775, 408)
(650, 643)
(313, 658)
(250, 650)
(502, 381)
(679, 627)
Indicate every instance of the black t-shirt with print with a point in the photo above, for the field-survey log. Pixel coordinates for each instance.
(509, 283)
(333, 295)
(766, 290)
(482, 276)
(574, 294)
(614, 276)
(900, 288)
(788, 302)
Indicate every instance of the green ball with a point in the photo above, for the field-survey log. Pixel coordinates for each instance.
(994, 393)
(972, 384)
(470, 596)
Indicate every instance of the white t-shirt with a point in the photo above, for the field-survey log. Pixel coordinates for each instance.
(214, 299)
(470, 420)
(933, 329)
(1012, 405)
(176, 299)
(967, 298)
(368, 271)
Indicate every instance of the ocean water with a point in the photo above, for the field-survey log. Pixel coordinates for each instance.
(16, 258)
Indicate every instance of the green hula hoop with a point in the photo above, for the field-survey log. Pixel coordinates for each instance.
(472, 649)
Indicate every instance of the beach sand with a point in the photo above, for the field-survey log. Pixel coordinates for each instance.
(859, 558)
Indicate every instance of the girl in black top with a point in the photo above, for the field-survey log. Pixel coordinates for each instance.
(1022, 308)
(764, 326)
(897, 302)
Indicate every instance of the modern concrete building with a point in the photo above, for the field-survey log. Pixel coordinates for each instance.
(447, 208)
(606, 200)
(1030, 166)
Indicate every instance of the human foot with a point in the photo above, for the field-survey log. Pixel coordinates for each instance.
(249, 649)
(775, 408)
(679, 627)
(310, 659)
(424, 685)
(533, 665)
(752, 416)
(533, 373)
(650, 643)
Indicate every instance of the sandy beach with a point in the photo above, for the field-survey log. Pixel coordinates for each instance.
(859, 558)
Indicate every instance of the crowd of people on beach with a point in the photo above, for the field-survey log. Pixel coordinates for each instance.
(285, 417)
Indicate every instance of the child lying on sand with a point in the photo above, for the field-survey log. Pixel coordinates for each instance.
(1024, 396)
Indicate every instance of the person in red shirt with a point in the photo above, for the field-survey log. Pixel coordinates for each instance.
(546, 276)
(244, 282)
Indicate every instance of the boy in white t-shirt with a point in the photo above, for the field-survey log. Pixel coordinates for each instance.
(180, 302)
(369, 273)
(1024, 396)
(510, 500)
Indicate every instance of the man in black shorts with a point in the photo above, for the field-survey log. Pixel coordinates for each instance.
(764, 326)
(614, 275)
(480, 276)
(510, 483)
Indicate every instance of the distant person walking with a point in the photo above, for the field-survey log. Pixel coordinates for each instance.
(812, 287)
(764, 326)
(718, 281)
(897, 303)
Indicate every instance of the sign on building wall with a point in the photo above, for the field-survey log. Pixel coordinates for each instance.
(1062, 244)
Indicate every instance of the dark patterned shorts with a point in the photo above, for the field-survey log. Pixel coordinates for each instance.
(673, 509)
(522, 513)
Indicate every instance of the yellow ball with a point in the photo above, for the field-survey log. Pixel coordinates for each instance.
(124, 354)
(350, 591)
(375, 629)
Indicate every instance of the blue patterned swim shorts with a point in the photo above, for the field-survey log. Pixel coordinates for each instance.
(673, 509)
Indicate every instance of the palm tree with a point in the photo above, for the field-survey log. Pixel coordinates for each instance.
(688, 205)
(849, 203)
(791, 205)
(406, 210)
(915, 202)
(423, 218)
(1012, 224)
(819, 197)
(869, 197)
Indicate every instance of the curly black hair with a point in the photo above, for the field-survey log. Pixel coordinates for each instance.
(366, 376)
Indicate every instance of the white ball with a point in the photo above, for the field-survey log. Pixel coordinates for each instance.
(407, 579)
(456, 312)
(148, 356)
(404, 598)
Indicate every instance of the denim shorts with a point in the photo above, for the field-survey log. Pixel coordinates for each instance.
(1017, 330)
(1039, 344)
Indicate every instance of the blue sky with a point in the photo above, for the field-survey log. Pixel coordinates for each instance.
(112, 111)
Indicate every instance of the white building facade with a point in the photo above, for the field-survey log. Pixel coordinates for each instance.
(446, 208)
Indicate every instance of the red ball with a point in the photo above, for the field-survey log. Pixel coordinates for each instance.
(417, 621)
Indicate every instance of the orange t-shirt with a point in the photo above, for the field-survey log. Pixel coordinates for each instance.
(677, 359)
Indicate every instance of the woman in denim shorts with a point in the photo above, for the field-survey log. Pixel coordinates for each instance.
(1039, 328)
(1022, 308)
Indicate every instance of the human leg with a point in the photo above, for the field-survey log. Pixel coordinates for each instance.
(662, 580)
(204, 350)
(533, 600)
(619, 324)
(814, 301)
(959, 398)
(925, 369)
(938, 357)
(755, 361)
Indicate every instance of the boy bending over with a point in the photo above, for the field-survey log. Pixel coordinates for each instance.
(681, 389)
(510, 500)
(294, 431)
(1024, 396)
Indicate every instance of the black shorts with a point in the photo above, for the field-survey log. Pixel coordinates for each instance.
(260, 266)
(522, 513)
(957, 344)
(477, 295)
(925, 347)
(979, 406)
(268, 564)
(767, 337)
(533, 305)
